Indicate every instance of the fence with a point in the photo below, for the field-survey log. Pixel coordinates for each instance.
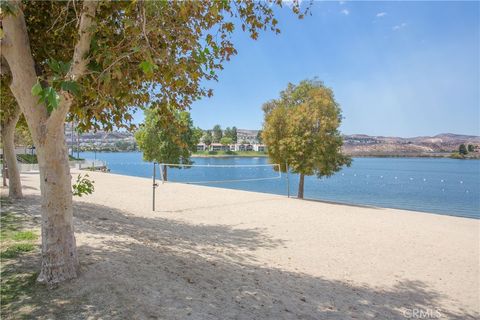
(82, 164)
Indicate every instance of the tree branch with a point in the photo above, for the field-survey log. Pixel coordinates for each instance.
(80, 60)
(87, 23)
(22, 67)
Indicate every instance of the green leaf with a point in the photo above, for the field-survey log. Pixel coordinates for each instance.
(70, 86)
(7, 8)
(58, 67)
(37, 89)
(148, 67)
(54, 65)
(2, 34)
(53, 99)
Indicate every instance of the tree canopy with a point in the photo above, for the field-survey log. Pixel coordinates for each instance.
(462, 149)
(207, 137)
(226, 141)
(231, 133)
(141, 52)
(217, 133)
(301, 130)
(167, 142)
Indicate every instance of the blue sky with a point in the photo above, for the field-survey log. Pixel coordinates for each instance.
(396, 68)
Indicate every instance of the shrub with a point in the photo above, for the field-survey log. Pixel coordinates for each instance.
(83, 186)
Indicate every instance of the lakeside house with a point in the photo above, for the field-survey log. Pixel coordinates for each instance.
(232, 147)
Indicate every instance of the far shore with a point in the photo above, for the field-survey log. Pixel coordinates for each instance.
(254, 154)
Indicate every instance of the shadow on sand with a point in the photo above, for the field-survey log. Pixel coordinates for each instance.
(142, 268)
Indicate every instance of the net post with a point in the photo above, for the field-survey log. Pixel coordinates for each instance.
(288, 180)
(160, 168)
(154, 185)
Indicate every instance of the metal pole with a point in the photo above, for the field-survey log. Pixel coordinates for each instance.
(78, 144)
(288, 181)
(153, 186)
(72, 137)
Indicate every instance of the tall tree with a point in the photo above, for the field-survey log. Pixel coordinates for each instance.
(207, 138)
(171, 141)
(462, 149)
(259, 136)
(9, 116)
(217, 133)
(301, 130)
(227, 132)
(234, 134)
(97, 60)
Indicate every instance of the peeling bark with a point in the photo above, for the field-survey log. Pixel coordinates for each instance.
(8, 134)
(59, 254)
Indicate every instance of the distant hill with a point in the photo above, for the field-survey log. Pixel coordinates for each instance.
(441, 144)
(355, 144)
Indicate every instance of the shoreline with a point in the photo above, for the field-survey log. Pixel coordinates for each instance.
(217, 253)
(412, 156)
(346, 202)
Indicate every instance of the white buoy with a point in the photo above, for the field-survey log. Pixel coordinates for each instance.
(461, 181)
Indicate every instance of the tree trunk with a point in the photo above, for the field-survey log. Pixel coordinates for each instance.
(301, 184)
(9, 156)
(164, 174)
(59, 253)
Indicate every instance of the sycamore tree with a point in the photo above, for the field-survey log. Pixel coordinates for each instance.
(94, 62)
(301, 131)
(9, 115)
(171, 141)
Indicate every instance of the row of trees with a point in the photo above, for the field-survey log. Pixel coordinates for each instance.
(217, 135)
(95, 62)
(301, 131)
(464, 150)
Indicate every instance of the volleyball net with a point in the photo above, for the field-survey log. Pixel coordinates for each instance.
(213, 174)
(217, 173)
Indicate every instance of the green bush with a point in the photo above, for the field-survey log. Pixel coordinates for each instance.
(83, 186)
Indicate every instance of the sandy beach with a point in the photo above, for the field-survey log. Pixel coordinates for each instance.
(212, 253)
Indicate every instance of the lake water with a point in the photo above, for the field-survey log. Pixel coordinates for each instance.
(444, 186)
